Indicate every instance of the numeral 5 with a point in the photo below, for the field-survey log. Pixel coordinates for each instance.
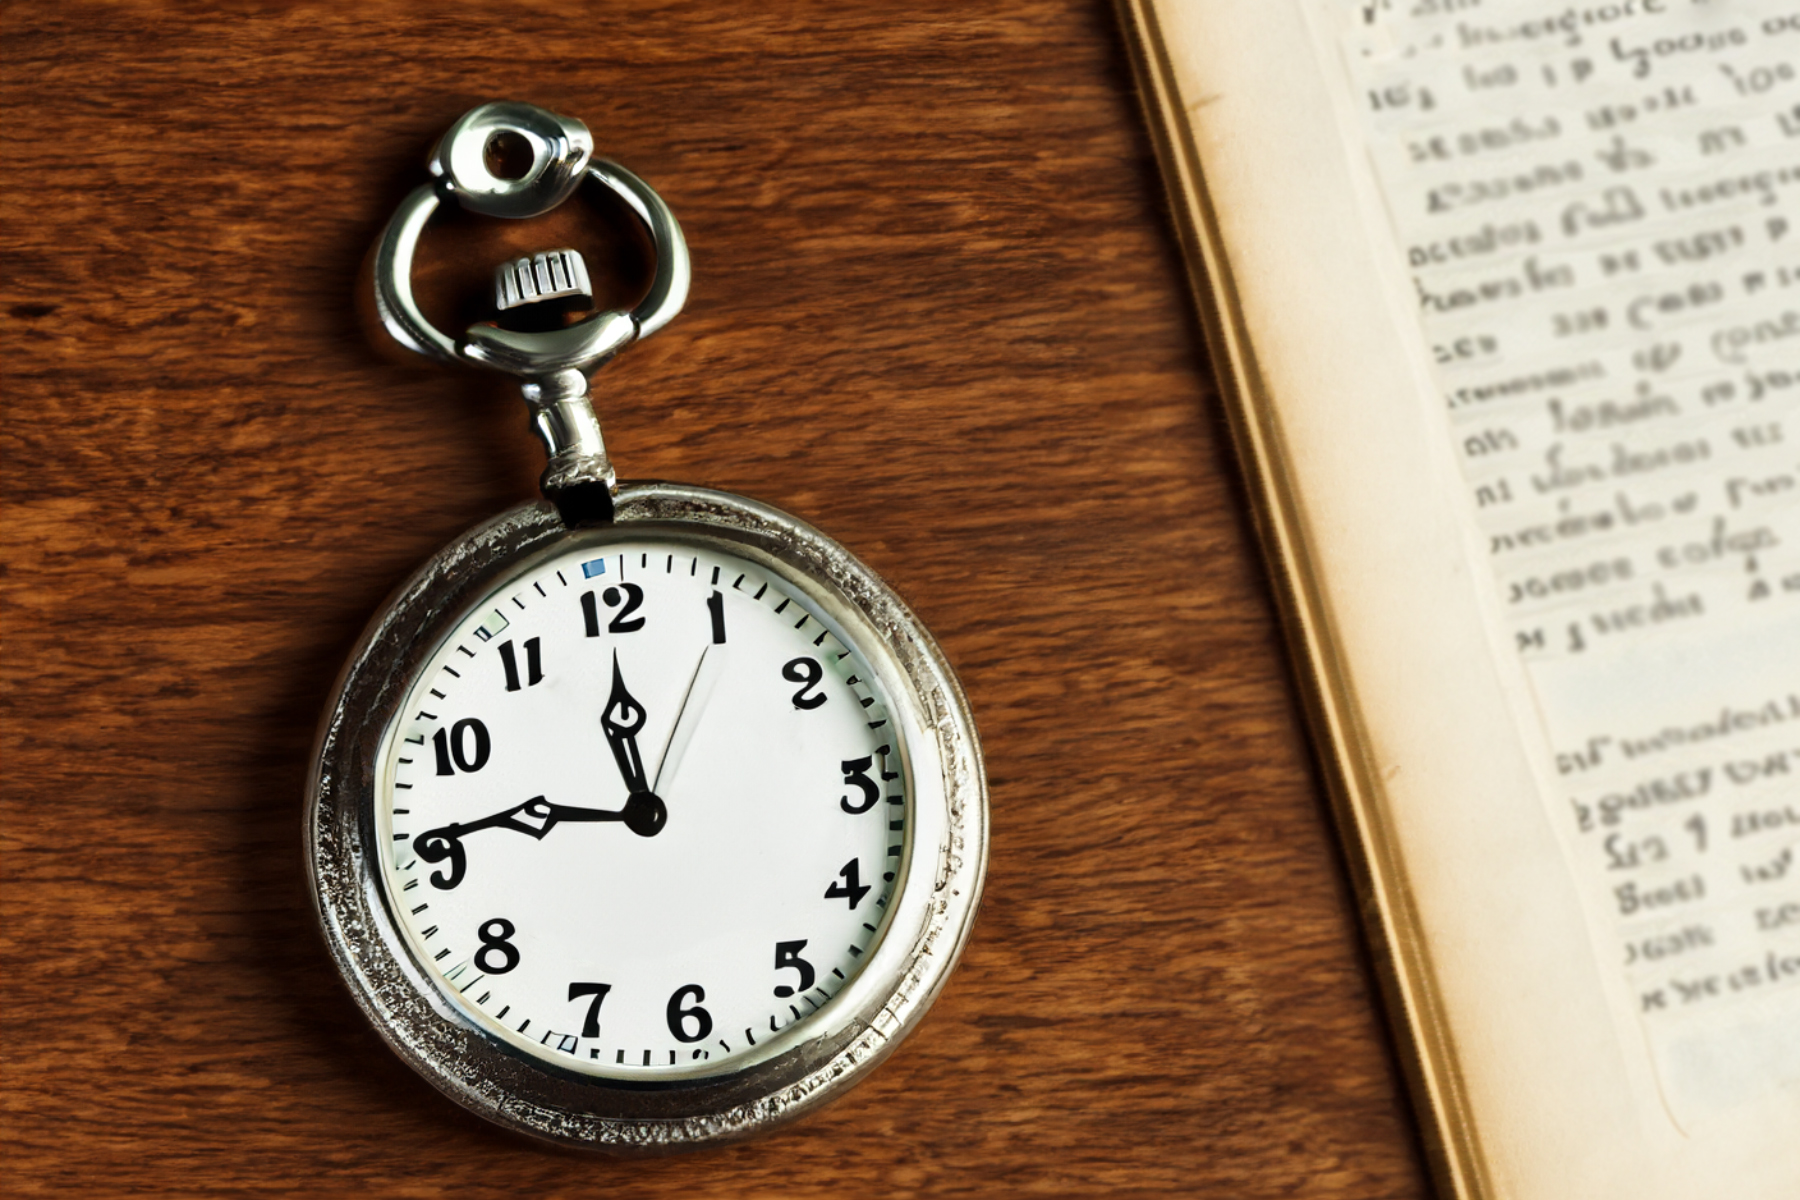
(787, 955)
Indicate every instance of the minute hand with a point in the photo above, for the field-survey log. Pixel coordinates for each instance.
(621, 720)
(643, 814)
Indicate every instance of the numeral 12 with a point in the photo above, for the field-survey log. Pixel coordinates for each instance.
(630, 595)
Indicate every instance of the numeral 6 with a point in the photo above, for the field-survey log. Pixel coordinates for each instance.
(679, 1014)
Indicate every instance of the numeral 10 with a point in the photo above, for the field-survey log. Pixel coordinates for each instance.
(463, 747)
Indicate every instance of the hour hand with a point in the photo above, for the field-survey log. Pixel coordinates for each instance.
(621, 720)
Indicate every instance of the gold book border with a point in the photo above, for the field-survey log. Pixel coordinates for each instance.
(1388, 909)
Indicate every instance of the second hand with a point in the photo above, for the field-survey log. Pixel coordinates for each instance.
(699, 689)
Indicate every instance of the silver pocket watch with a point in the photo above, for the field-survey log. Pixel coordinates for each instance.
(644, 816)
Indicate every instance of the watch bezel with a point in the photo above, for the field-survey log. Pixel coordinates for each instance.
(931, 912)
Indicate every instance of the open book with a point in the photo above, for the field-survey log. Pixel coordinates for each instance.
(1505, 299)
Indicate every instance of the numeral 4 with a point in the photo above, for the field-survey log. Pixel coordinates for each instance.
(852, 888)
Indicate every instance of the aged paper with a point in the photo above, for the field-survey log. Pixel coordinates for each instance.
(1469, 280)
(1599, 208)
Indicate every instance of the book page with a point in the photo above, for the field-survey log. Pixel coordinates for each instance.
(1518, 426)
(1599, 209)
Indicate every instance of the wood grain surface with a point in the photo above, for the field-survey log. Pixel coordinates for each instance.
(938, 311)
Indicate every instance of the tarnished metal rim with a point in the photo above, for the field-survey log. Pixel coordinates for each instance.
(934, 907)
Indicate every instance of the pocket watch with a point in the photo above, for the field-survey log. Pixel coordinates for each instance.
(644, 816)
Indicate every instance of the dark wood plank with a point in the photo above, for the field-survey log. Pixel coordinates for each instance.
(937, 312)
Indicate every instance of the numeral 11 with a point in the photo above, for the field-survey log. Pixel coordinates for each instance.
(534, 664)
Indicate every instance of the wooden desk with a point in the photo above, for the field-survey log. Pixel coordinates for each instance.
(938, 311)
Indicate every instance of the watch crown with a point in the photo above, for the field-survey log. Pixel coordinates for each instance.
(552, 275)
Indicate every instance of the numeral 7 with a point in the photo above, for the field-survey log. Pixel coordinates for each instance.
(591, 1026)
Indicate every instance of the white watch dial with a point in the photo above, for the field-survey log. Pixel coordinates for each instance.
(643, 811)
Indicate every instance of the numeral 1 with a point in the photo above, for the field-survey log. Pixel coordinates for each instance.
(534, 664)
(715, 604)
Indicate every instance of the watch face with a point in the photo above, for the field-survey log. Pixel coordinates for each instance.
(643, 811)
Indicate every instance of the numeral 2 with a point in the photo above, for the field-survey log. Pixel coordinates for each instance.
(534, 664)
(806, 672)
